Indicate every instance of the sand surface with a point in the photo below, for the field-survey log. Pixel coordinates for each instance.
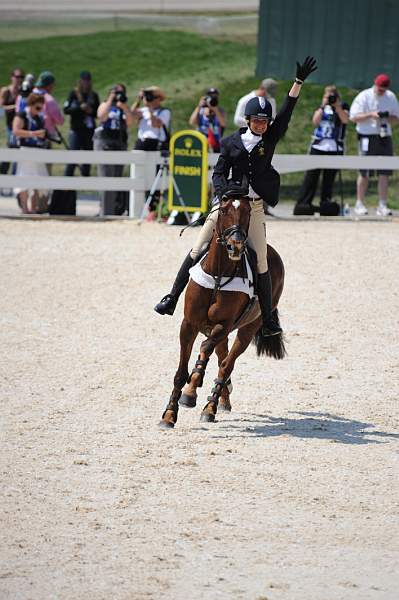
(294, 495)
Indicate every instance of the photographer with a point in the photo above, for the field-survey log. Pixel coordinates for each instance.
(330, 120)
(209, 118)
(374, 111)
(29, 130)
(153, 120)
(115, 118)
(81, 106)
(8, 96)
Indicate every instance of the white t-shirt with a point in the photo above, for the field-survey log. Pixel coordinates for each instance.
(146, 131)
(239, 119)
(369, 101)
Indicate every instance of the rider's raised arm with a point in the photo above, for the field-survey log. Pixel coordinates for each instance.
(222, 169)
(280, 124)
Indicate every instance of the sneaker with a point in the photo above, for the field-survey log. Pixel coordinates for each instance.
(360, 210)
(383, 210)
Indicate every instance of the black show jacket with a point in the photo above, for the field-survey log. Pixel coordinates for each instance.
(256, 165)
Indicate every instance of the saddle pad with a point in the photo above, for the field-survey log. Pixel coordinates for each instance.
(238, 284)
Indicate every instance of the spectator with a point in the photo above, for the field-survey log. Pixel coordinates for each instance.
(330, 120)
(8, 96)
(115, 118)
(28, 128)
(209, 118)
(82, 106)
(267, 89)
(52, 112)
(374, 110)
(153, 120)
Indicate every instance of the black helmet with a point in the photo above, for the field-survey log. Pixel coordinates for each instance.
(258, 107)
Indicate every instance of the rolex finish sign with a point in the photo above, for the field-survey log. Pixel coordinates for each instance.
(188, 172)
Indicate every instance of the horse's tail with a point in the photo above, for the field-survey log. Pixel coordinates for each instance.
(273, 345)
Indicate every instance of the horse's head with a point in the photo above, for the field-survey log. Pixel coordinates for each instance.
(232, 225)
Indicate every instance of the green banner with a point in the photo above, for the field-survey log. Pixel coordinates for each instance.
(188, 172)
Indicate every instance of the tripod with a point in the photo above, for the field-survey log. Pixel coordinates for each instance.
(161, 178)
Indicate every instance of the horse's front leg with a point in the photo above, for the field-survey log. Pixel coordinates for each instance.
(241, 343)
(188, 333)
(196, 379)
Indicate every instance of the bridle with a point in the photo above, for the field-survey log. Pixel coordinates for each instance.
(235, 232)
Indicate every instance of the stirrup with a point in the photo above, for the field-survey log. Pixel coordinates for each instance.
(270, 328)
(167, 305)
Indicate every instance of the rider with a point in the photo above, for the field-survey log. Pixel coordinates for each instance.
(248, 153)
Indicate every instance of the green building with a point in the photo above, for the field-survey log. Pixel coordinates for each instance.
(353, 40)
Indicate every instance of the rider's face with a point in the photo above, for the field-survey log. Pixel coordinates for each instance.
(259, 126)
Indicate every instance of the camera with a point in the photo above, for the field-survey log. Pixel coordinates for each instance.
(211, 100)
(120, 96)
(332, 98)
(383, 114)
(149, 95)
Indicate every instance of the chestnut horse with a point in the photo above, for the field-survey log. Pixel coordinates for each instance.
(216, 313)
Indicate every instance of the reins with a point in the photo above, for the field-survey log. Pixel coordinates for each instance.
(197, 220)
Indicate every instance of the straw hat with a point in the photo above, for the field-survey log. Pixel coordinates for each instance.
(156, 91)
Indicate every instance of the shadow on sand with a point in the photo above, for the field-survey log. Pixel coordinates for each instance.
(306, 425)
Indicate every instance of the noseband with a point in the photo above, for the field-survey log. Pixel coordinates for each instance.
(229, 232)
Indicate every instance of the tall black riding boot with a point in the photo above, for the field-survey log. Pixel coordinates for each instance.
(168, 303)
(270, 325)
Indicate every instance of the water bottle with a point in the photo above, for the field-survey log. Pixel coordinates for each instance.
(347, 210)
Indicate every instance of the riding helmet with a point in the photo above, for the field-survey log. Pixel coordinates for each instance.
(258, 107)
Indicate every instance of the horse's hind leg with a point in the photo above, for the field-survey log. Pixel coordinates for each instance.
(188, 333)
(222, 351)
(241, 343)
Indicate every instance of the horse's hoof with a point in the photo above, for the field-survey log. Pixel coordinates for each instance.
(224, 407)
(166, 424)
(207, 418)
(188, 401)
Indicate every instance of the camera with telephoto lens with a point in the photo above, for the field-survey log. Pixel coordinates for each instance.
(332, 98)
(120, 96)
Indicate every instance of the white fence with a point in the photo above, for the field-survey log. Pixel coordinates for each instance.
(143, 167)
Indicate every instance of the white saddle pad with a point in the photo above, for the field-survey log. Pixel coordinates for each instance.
(238, 284)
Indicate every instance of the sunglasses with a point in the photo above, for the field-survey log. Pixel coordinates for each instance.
(18, 76)
(38, 106)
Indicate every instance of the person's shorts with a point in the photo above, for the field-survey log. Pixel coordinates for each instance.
(374, 145)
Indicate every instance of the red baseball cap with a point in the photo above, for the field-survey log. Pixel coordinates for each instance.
(382, 80)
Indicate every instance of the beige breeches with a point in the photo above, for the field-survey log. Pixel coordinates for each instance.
(256, 233)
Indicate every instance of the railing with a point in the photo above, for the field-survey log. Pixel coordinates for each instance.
(143, 167)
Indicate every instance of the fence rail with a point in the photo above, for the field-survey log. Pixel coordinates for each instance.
(143, 167)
